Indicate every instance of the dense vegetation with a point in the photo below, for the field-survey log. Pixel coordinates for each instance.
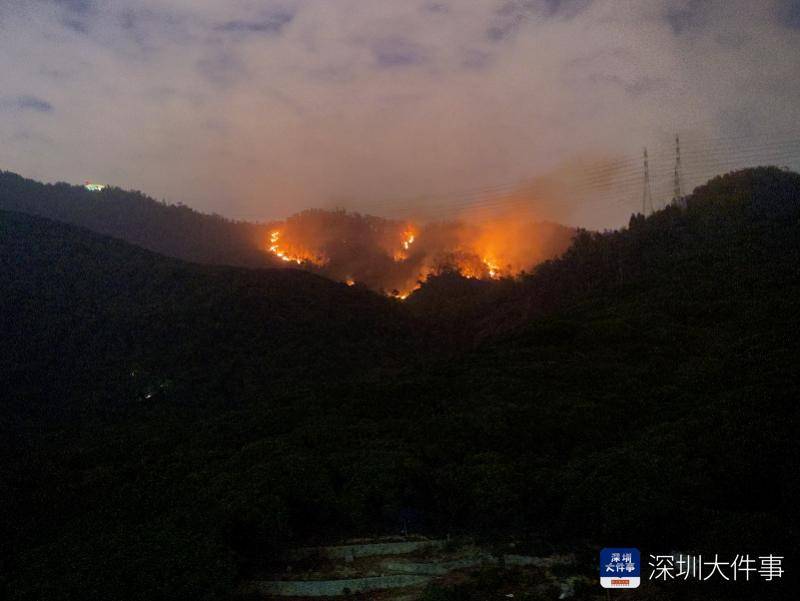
(172, 230)
(169, 427)
(337, 244)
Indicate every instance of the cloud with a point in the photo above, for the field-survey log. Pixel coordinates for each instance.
(512, 15)
(222, 67)
(436, 7)
(259, 109)
(684, 17)
(273, 24)
(397, 52)
(789, 13)
(27, 103)
(75, 6)
(75, 14)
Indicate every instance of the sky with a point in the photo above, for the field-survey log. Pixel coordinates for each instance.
(259, 109)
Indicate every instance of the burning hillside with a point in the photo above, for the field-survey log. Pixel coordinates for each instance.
(395, 256)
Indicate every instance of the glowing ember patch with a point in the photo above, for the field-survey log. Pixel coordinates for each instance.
(407, 241)
(274, 238)
(393, 256)
(404, 294)
(492, 268)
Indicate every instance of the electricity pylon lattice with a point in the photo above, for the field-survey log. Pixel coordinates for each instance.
(647, 196)
(677, 192)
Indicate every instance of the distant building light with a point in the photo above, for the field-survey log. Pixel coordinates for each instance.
(93, 187)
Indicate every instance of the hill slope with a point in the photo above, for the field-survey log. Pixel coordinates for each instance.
(383, 254)
(643, 388)
(88, 311)
(172, 230)
(737, 234)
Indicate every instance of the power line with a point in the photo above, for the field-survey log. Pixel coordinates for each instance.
(611, 178)
(620, 195)
(496, 189)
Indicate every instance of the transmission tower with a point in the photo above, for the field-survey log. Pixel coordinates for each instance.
(677, 193)
(647, 196)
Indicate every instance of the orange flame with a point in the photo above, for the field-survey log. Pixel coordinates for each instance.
(397, 256)
(492, 269)
(408, 239)
(274, 238)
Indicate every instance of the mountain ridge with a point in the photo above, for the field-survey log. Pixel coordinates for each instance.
(386, 255)
(212, 417)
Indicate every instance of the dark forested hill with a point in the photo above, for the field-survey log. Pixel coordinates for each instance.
(736, 235)
(108, 322)
(104, 343)
(168, 428)
(172, 230)
(387, 255)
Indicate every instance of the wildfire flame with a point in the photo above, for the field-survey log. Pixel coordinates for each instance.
(394, 256)
(407, 241)
(274, 238)
(492, 269)
(406, 293)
